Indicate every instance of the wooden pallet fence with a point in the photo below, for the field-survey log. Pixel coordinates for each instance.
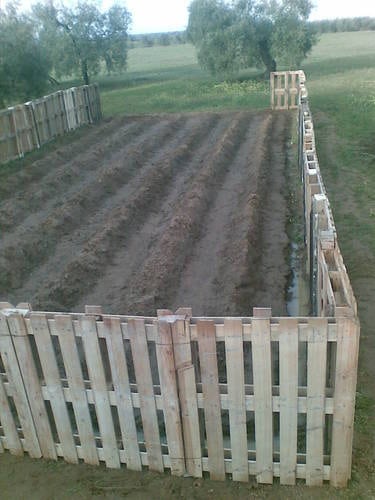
(126, 390)
(28, 126)
(285, 89)
(331, 291)
(251, 396)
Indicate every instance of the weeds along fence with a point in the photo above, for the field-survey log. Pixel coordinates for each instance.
(260, 395)
(28, 126)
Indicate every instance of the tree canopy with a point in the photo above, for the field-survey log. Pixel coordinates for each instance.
(24, 66)
(54, 41)
(79, 39)
(244, 33)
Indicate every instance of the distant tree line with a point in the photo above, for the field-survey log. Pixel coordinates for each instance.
(345, 24)
(164, 39)
(55, 41)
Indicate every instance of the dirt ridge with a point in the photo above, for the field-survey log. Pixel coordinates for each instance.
(164, 211)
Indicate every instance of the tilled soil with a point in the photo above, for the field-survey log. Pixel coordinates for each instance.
(160, 211)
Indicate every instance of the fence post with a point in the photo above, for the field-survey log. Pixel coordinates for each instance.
(344, 399)
(169, 393)
(187, 395)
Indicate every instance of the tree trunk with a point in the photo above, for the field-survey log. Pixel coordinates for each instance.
(85, 74)
(267, 58)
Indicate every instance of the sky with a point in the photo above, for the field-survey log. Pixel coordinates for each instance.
(172, 15)
(155, 16)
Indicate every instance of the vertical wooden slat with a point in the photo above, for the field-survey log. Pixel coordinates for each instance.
(52, 379)
(286, 92)
(32, 385)
(188, 396)
(168, 386)
(99, 387)
(236, 397)
(272, 90)
(211, 395)
(10, 361)
(66, 335)
(7, 421)
(261, 350)
(278, 93)
(344, 399)
(288, 334)
(120, 376)
(293, 95)
(316, 381)
(138, 342)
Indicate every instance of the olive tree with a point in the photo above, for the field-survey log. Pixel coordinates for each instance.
(244, 33)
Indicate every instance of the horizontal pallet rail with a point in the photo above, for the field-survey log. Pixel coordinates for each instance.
(28, 126)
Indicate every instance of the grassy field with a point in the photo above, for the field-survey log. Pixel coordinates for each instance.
(168, 79)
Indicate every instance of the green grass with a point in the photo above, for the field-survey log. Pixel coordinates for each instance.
(341, 81)
(169, 79)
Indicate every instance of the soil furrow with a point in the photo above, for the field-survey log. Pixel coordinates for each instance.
(111, 290)
(152, 212)
(41, 196)
(61, 151)
(86, 268)
(218, 262)
(33, 242)
(273, 239)
(156, 283)
(71, 243)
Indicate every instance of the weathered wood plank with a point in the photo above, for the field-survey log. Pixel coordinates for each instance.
(32, 385)
(316, 381)
(261, 350)
(99, 387)
(138, 342)
(65, 330)
(288, 329)
(116, 353)
(212, 409)
(188, 396)
(236, 396)
(344, 400)
(7, 421)
(10, 361)
(52, 380)
(168, 386)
